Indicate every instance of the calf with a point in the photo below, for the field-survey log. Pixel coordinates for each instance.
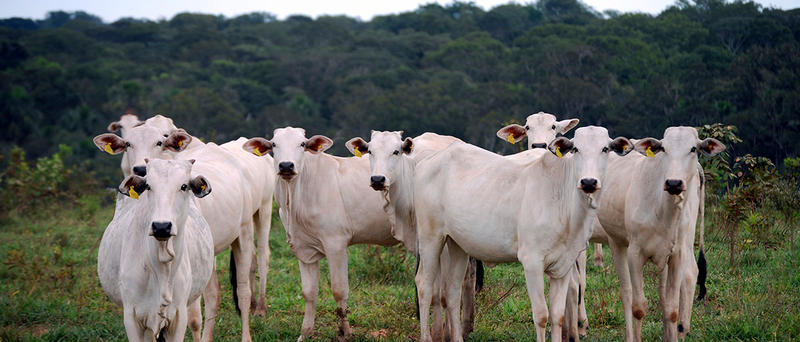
(504, 209)
(156, 257)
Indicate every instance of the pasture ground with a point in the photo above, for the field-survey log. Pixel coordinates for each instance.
(49, 288)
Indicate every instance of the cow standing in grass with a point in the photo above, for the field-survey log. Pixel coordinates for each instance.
(157, 255)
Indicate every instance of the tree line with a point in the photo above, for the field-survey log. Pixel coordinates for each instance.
(456, 69)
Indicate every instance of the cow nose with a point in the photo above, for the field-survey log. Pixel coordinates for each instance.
(140, 171)
(162, 230)
(377, 182)
(673, 186)
(286, 167)
(589, 185)
(538, 145)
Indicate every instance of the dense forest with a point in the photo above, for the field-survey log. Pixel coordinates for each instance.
(457, 69)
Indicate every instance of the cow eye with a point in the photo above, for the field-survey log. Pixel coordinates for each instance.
(693, 150)
(127, 144)
(184, 187)
(302, 144)
(605, 149)
(527, 128)
(396, 152)
(159, 143)
(554, 127)
(574, 150)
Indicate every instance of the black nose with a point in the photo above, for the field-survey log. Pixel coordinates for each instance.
(377, 182)
(538, 145)
(140, 171)
(162, 230)
(286, 167)
(673, 186)
(589, 185)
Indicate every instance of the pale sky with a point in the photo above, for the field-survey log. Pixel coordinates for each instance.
(110, 10)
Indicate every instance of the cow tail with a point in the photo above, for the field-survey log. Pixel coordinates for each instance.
(416, 292)
(234, 284)
(702, 265)
(478, 275)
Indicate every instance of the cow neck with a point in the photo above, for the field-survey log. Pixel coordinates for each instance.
(301, 192)
(399, 204)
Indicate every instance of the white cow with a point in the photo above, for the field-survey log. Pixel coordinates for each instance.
(229, 213)
(392, 162)
(157, 256)
(500, 209)
(325, 206)
(649, 211)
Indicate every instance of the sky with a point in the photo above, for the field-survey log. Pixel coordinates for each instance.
(110, 10)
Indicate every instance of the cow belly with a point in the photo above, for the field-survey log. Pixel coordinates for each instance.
(486, 246)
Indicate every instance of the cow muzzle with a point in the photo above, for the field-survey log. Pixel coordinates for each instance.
(538, 145)
(162, 231)
(589, 185)
(140, 171)
(286, 170)
(377, 183)
(674, 186)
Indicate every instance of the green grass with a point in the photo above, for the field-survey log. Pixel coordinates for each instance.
(49, 289)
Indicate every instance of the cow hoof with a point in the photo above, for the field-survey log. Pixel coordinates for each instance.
(599, 262)
(258, 310)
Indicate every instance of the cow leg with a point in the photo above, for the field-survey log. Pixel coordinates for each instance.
(558, 301)
(337, 262)
(468, 299)
(243, 253)
(440, 328)
(309, 276)
(195, 320)
(132, 329)
(598, 254)
(639, 304)
(670, 300)
(687, 294)
(570, 327)
(429, 252)
(211, 299)
(458, 260)
(177, 327)
(263, 226)
(619, 254)
(534, 279)
(583, 319)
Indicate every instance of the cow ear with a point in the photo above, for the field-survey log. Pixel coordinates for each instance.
(110, 143)
(133, 186)
(648, 146)
(621, 145)
(114, 126)
(318, 143)
(200, 186)
(258, 146)
(357, 146)
(560, 146)
(512, 133)
(408, 145)
(564, 126)
(710, 147)
(177, 141)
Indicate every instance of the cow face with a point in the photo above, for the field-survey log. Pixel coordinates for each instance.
(540, 129)
(385, 150)
(589, 151)
(288, 146)
(167, 190)
(678, 154)
(143, 142)
(126, 122)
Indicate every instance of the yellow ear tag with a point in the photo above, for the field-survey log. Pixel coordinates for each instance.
(356, 151)
(108, 149)
(319, 147)
(511, 139)
(180, 143)
(558, 152)
(257, 152)
(649, 152)
(133, 193)
(202, 188)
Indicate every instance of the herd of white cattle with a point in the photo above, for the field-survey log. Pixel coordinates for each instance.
(443, 199)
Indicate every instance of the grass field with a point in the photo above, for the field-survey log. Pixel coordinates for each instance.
(49, 289)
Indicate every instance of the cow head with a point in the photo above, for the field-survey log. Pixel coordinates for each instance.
(126, 122)
(589, 151)
(167, 190)
(678, 154)
(288, 146)
(163, 123)
(385, 150)
(540, 129)
(143, 142)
